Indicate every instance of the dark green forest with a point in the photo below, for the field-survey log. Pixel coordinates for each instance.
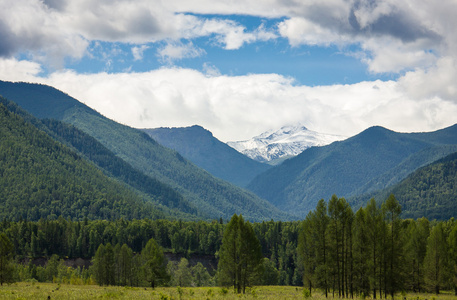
(40, 178)
(194, 241)
(211, 196)
(116, 167)
(428, 191)
(343, 253)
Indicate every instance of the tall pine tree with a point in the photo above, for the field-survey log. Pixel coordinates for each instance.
(240, 255)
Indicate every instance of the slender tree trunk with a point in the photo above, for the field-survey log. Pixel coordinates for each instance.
(325, 274)
(374, 271)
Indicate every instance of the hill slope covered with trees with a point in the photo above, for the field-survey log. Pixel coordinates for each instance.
(427, 192)
(212, 197)
(372, 160)
(40, 178)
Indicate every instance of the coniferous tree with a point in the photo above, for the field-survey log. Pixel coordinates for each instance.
(154, 264)
(6, 256)
(306, 252)
(452, 242)
(394, 254)
(99, 265)
(240, 255)
(374, 220)
(416, 247)
(361, 253)
(340, 235)
(124, 263)
(435, 262)
(110, 265)
(313, 248)
(335, 243)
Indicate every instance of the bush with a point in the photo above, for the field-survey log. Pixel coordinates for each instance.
(306, 293)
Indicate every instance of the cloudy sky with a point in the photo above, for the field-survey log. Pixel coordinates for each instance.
(242, 67)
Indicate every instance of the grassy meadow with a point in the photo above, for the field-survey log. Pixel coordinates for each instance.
(26, 290)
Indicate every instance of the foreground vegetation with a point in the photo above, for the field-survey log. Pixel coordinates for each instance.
(335, 250)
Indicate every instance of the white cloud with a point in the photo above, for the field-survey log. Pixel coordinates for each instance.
(14, 70)
(300, 31)
(210, 70)
(50, 32)
(239, 107)
(137, 52)
(414, 37)
(435, 82)
(178, 50)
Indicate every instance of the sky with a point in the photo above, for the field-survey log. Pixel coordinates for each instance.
(242, 67)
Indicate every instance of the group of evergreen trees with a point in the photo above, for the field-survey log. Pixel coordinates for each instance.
(374, 251)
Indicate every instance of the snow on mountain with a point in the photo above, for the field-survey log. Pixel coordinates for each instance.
(273, 146)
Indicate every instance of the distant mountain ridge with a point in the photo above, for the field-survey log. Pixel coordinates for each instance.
(200, 146)
(213, 197)
(366, 162)
(276, 145)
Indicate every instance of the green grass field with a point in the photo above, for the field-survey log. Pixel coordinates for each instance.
(25, 290)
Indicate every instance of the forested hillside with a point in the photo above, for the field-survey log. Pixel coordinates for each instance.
(211, 196)
(203, 149)
(116, 167)
(428, 192)
(371, 160)
(40, 178)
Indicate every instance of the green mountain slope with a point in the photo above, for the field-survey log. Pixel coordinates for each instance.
(40, 178)
(373, 159)
(116, 167)
(203, 149)
(428, 192)
(212, 197)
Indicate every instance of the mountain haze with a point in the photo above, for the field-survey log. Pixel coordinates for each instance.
(366, 161)
(203, 149)
(212, 197)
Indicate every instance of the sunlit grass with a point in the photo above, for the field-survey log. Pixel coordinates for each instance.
(25, 290)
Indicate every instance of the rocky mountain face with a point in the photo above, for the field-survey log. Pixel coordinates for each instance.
(276, 145)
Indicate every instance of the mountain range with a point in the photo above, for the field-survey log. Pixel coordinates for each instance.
(200, 146)
(61, 158)
(42, 178)
(212, 197)
(372, 160)
(275, 146)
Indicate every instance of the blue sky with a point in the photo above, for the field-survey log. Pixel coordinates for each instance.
(307, 64)
(239, 68)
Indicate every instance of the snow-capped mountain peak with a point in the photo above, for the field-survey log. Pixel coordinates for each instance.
(275, 145)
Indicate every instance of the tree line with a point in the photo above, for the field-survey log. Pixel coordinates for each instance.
(374, 252)
(81, 239)
(371, 252)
